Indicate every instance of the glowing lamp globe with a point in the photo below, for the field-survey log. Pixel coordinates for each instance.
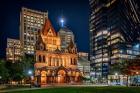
(62, 22)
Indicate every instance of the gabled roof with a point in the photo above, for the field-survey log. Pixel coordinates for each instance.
(58, 51)
(39, 38)
(47, 28)
(39, 41)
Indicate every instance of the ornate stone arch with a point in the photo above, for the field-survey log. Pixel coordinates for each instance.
(61, 68)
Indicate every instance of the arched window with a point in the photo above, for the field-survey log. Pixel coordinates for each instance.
(75, 62)
(71, 62)
(50, 61)
(57, 60)
(44, 59)
(39, 58)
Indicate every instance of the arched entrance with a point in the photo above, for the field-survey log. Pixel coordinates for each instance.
(61, 76)
(43, 78)
(77, 77)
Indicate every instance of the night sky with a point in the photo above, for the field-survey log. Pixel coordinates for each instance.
(76, 13)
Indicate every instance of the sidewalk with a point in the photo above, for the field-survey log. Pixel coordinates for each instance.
(49, 86)
(20, 89)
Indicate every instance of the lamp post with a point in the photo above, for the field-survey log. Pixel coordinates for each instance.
(137, 73)
(0, 79)
(30, 74)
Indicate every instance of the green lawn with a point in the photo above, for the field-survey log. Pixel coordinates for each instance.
(85, 90)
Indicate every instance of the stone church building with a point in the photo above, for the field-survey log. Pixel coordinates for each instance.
(53, 64)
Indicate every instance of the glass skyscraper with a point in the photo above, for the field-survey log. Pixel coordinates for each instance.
(114, 29)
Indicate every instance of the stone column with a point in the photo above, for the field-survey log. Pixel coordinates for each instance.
(69, 61)
(51, 61)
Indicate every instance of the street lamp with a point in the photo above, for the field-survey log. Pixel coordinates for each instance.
(116, 75)
(30, 74)
(0, 79)
(137, 73)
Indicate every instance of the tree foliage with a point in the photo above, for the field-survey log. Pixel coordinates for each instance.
(3, 71)
(16, 71)
(124, 66)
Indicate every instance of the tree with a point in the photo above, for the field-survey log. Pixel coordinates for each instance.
(128, 67)
(28, 63)
(17, 69)
(3, 71)
(119, 67)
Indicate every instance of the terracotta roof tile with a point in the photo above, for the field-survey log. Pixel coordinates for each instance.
(47, 26)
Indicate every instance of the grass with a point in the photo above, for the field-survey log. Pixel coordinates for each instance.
(84, 90)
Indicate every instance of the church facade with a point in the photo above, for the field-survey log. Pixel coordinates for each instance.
(53, 64)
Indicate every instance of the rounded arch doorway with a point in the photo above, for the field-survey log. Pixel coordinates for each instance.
(61, 76)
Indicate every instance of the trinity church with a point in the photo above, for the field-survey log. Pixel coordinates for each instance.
(53, 64)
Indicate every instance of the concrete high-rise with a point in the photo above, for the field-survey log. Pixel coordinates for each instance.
(31, 22)
(66, 36)
(13, 50)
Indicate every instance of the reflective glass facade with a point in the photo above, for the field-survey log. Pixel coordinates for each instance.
(114, 29)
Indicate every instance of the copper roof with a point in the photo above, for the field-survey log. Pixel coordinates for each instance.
(47, 26)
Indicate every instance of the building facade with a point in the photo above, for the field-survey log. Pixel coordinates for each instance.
(114, 31)
(66, 36)
(31, 22)
(83, 54)
(13, 50)
(84, 64)
(54, 65)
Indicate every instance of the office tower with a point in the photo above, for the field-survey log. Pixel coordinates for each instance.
(31, 22)
(66, 36)
(114, 28)
(13, 50)
(54, 65)
(84, 64)
(83, 54)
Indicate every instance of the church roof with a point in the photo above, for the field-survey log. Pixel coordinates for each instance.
(58, 51)
(39, 41)
(47, 26)
(39, 38)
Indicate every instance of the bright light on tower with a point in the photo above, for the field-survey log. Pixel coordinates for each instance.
(62, 22)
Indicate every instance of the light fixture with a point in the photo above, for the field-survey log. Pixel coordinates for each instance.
(116, 74)
(62, 21)
(30, 72)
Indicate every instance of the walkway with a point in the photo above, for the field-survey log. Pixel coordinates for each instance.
(49, 86)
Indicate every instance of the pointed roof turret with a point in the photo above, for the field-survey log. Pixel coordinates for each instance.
(39, 41)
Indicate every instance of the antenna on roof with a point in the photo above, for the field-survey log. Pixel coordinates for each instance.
(62, 20)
